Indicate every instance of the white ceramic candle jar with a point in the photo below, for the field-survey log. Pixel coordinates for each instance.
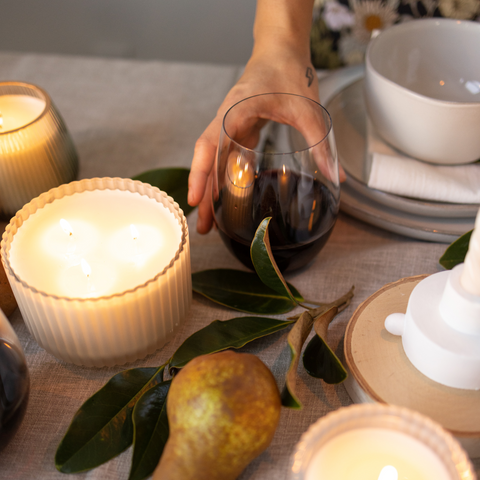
(100, 269)
(36, 151)
(378, 442)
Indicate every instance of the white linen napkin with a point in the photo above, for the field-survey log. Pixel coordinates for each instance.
(405, 176)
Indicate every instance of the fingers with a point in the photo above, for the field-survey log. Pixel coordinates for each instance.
(205, 214)
(202, 163)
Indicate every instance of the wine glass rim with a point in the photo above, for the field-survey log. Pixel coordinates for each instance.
(330, 125)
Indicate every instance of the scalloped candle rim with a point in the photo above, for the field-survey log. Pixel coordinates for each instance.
(50, 260)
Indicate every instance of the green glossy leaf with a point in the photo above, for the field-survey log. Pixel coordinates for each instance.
(243, 291)
(150, 423)
(173, 181)
(319, 359)
(296, 338)
(321, 362)
(102, 428)
(456, 252)
(220, 335)
(264, 263)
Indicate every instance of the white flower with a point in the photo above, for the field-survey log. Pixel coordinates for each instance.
(459, 9)
(372, 15)
(430, 6)
(351, 51)
(337, 16)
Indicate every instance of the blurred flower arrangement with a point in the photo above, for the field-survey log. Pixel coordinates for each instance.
(341, 29)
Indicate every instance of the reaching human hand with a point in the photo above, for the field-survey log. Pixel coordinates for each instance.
(271, 71)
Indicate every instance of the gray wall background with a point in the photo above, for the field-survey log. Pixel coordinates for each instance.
(213, 31)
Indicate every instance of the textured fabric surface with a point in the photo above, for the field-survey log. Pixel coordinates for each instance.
(127, 117)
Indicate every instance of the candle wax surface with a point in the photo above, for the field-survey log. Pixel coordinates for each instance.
(19, 110)
(362, 454)
(45, 256)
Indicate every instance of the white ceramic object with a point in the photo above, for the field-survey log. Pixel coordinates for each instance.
(422, 89)
(441, 330)
(119, 326)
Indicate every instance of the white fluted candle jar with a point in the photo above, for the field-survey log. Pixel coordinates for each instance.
(100, 269)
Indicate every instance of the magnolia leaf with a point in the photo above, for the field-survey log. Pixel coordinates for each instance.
(296, 338)
(220, 335)
(264, 263)
(173, 181)
(243, 291)
(102, 428)
(456, 252)
(150, 423)
(318, 358)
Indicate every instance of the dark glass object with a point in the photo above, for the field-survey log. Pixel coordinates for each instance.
(284, 176)
(14, 383)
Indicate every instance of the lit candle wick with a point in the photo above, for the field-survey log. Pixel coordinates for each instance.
(134, 232)
(87, 270)
(66, 227)
(388, 473)
(240, 175)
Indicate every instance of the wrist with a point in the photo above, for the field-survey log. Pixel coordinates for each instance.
(275, 43)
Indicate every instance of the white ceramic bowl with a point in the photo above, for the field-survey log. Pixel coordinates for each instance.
(422, 89)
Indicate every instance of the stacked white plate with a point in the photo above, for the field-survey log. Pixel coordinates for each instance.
(342, 95)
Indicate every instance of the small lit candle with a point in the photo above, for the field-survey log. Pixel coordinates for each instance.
(17, 111)
(365, 453)
(100, 269)
(238, 196)
(36, 151)
(470, 279)
(378, 442)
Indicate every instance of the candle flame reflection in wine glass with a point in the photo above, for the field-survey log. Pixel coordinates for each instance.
(388, 473)
(87, 270)
(134, 232)
(66, 227)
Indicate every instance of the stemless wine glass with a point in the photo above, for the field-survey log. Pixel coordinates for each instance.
(277, 158)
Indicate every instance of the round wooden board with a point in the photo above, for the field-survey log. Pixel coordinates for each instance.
(381, 372)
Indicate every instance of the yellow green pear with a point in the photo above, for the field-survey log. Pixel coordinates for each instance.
(223, 410)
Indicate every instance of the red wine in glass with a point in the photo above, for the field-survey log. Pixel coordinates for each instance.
(303, 212)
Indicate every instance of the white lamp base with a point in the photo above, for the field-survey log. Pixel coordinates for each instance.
(441, 352)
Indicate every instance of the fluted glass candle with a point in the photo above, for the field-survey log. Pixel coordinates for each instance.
(378, 442)
(100, 269)
(36, 150)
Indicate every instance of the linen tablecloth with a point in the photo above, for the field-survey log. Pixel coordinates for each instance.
(130, 116)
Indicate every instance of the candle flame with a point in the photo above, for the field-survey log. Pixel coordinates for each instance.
(66, 227)
(86, 268)
(388, 473)
(134, 232)
(284, 169)
(1, 120)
